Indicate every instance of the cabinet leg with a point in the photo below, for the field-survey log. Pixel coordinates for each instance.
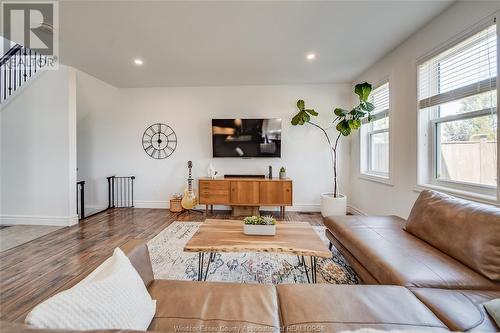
(206, 210)
(212, 209)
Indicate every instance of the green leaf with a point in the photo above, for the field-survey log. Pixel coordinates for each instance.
(340, 112)
(354, 123)
(301, 105)
(300, 118)
(369, 106)
(305, 116)
(343, 128)
(363, 90)
(359, 114)
(312, 112)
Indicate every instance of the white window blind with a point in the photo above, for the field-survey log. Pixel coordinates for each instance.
(468, 68)
(380, 98)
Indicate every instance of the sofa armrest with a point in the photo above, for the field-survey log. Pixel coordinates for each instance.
(137, 251)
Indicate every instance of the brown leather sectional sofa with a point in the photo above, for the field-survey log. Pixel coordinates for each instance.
(192, 306)
(447, 254)
(409, 283)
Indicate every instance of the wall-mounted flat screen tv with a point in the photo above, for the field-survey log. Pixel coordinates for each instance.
(246, 137)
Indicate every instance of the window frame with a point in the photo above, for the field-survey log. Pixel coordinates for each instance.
(427, 126)
(436, 165)
(366, 170)
(369, 136)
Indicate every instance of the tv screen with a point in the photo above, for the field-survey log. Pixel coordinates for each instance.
(246, 137)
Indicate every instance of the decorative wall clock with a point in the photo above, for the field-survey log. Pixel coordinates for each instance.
(159, 141)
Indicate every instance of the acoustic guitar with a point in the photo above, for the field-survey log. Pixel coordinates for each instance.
(189, 200)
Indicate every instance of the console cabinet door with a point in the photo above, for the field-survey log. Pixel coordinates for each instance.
(244, 193)
(213, 192)
(276, 193)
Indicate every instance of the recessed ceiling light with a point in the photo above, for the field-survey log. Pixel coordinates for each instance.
(311, 56)
(138, 62)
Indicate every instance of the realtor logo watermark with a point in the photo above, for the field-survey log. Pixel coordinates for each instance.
(33, 26)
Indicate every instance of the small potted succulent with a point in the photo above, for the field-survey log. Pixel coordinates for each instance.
(282, 173)
(259, 225)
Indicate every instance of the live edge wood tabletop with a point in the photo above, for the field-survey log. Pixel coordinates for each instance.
(297, 238)
(246, 192)
(294, 238)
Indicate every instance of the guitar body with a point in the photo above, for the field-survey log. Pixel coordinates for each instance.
(189, 200)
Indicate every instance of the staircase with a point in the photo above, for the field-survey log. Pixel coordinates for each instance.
(17, 66)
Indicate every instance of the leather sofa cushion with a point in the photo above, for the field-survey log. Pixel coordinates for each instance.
(460, 310)
(334, 308)
(467, 231)
(211, 305)
(363, 274)
(396, 257)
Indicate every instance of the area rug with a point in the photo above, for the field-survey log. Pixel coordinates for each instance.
(170, 262)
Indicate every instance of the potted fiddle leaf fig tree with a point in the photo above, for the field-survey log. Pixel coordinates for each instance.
(345, 122)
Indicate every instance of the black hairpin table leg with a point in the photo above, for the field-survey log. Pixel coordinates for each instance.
(201, 263)
(306, 270)
(210, 259)
(313, 269)
(201, 257)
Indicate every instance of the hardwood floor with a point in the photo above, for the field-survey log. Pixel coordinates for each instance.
(32, 272)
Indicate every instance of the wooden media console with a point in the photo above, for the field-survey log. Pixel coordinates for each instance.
(245, 192)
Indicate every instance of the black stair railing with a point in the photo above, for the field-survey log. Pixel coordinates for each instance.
(120, 191)
(16, 67)
(80, 199)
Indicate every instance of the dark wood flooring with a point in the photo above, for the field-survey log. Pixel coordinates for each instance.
(34, 271)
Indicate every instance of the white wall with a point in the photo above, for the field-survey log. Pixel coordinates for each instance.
(38, 157)
(400, 66)
(94, 100)
(111, 123)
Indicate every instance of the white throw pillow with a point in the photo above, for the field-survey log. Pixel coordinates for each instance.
(113, 296)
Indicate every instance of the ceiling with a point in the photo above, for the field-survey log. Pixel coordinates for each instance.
(208, 43)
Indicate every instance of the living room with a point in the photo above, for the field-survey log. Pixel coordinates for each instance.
(249, 165)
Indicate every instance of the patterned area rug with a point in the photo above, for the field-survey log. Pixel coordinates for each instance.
(171, 262)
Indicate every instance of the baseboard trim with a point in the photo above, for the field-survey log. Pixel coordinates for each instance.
(94, 209)
(355, 211)
(295, 208)
(166, 205)
(60, 221)
(152, 204)
(313, 208)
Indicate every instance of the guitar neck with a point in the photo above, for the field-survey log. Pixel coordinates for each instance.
(190, 181)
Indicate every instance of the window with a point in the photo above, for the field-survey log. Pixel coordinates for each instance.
(458, 118)
(375, 136)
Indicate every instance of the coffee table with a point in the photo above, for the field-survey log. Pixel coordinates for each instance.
(296, 238)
